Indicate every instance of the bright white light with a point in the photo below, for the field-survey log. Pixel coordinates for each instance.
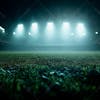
(50, 29)
(14, 33)
(81, 30)
(80, 27)
(72, 34)
(29, 34)
(20, 28)
(34, 28)
(50, 26)
(96, 33)
(2, 29)
(65, 30)
(19, 31)
(65, 26)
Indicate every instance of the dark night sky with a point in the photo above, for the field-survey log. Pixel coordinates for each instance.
(26, 10)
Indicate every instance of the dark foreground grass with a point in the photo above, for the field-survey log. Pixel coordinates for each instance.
(37, 76)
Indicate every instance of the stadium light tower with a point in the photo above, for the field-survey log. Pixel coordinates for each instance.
(19, 30)
(2, 29)
(66, 26)
(14, 33)
(34, 27)
(50, 26)
(81, 30)
(50, 29)
(96, 33)
(65, 29)
(29, 33)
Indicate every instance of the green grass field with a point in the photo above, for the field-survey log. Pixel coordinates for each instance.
(60, 58)
(53, 75)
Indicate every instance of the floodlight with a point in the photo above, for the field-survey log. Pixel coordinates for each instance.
(96, 33)
(65, 29)
(50, 26)
(72, 34)
(50, 29)
(20, 28)
(2, 29)
(34, 27)
(14, 33)
(81, 30)
(29, 33)
(65, 26)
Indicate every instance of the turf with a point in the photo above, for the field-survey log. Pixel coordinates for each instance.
(53, 75)
(68, 58)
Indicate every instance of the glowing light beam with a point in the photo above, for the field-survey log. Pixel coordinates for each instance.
(34, 27)
(81, 30)
(50, 29)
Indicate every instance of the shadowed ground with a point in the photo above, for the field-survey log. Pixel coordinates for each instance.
(55, 75)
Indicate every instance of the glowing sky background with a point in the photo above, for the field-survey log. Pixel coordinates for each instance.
(12, 11)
